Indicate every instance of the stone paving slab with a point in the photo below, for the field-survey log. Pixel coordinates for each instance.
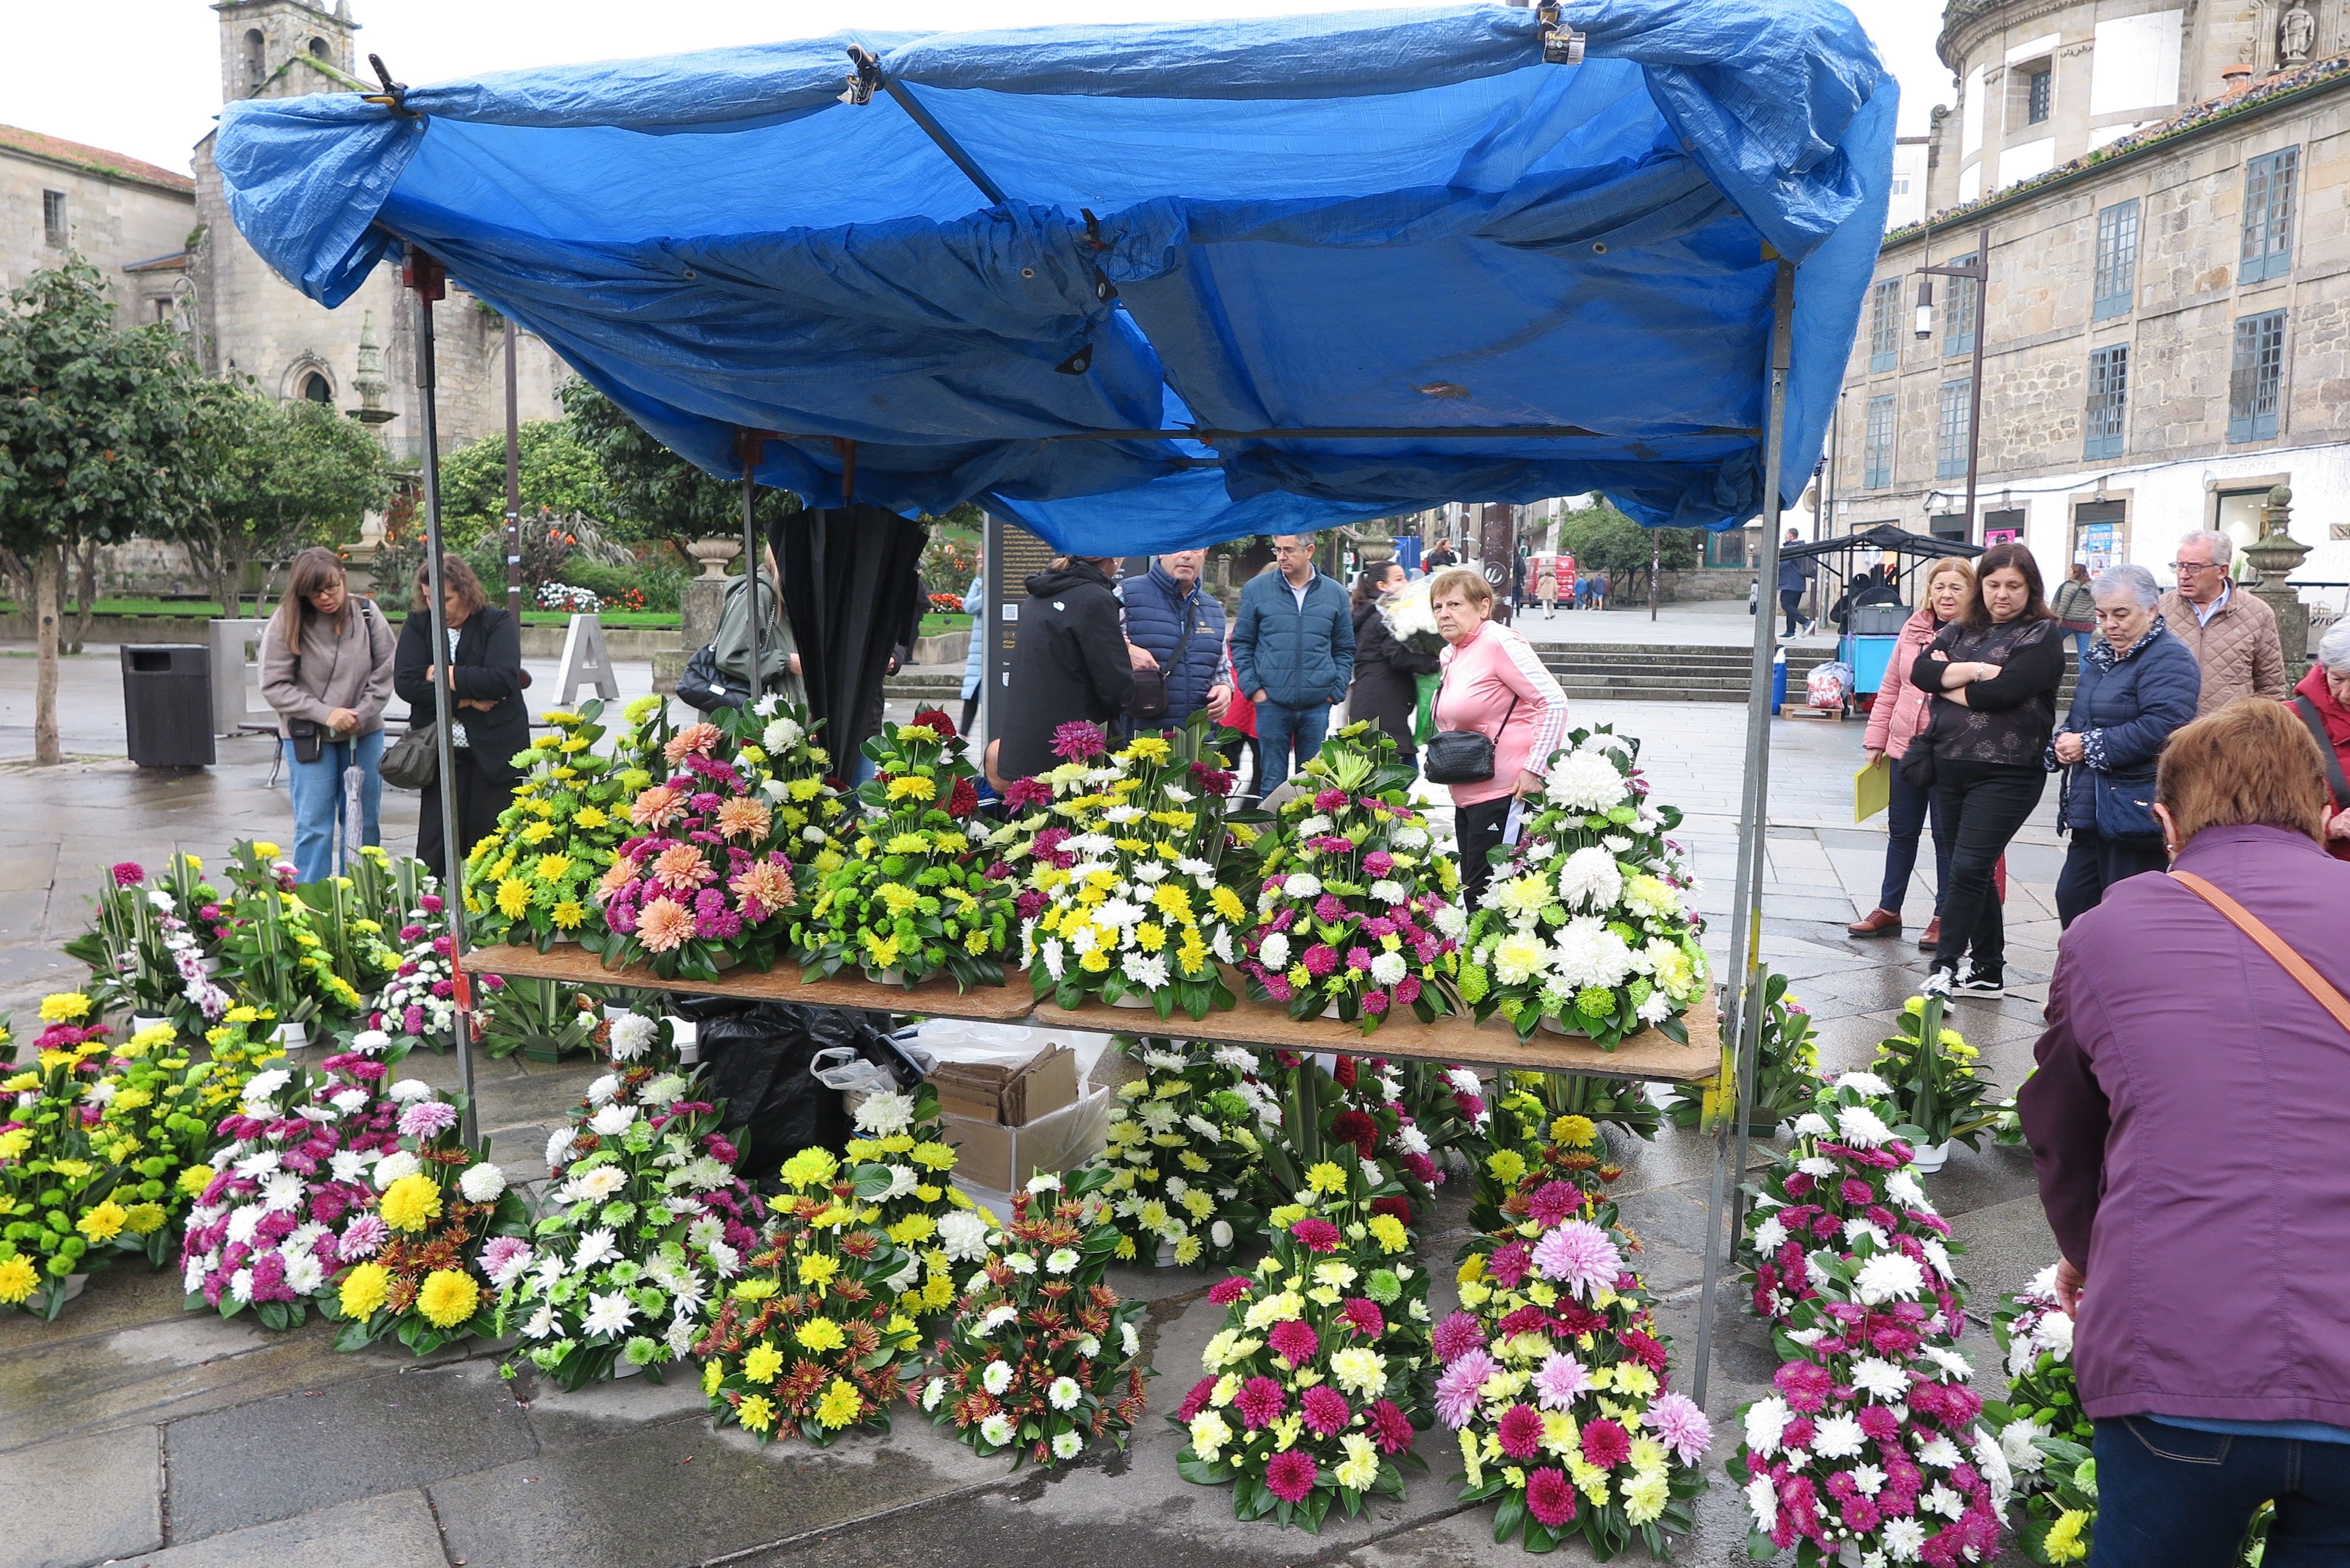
(81, 1500)
(393, 1531)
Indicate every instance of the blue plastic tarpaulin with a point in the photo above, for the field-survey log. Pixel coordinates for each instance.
(1387, 222)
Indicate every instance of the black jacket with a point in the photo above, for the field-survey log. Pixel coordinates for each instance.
(1386, 672)
(2006, 722)
(1070, 662)
(488, 665)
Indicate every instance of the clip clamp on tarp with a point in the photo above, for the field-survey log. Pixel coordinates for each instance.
(394, 96)
(860, 90)
(1561, 45)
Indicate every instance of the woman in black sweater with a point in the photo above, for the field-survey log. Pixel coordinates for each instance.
(483, 667)
(1386, 672)
(1994, 673)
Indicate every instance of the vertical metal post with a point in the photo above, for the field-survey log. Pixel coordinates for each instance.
(1753, 820)
(424, 275)
(1974, 381)
(513, 486)
(750, 445)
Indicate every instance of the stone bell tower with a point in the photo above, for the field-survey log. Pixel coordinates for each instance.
(283, 49)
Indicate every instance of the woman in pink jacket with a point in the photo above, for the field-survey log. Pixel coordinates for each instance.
(1494, 684)
(1901, 711)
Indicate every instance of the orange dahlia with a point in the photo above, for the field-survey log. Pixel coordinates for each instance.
(664, 925)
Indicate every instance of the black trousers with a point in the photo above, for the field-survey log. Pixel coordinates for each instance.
(1791, 600)
(2096, 863)
(1978, 806)
(1479, 830)
(478, 802)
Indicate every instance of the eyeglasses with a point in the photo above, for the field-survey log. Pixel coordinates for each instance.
(2183, 568)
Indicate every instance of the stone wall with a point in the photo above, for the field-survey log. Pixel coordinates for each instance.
(113, 220)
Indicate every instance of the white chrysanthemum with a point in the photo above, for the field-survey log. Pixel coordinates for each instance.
(592, 1186)
(372, 1042)
(281, 1192)
(1388, 892)
(305, 1275)
(558, 1147)
(1942, 1498)
(1590, 878)
(1956, 1368)
(514, 1266)
(1868, 1084)
(1654, 1008)
(997, 1430)
(1587, 952)
(394, 1166)
(1388, 968)
(243, 1222)
(1062, 1393)
(1888, 1276)
(482, 1183)
(1651, 898)
(996, 1317)
(2016, 1442)
(932, 1392)
(349, 1100)
(1221, 1233)
(603, 1088)
(261, 1086)
(346, 1164)
(1880, 1378)
(996, 1376)
(610, 1313)
(1836, 1437)
(662, 1092)
(1904, 1188)
(1517, 957)
(1586, 782)
(1855, 1230)
(1904, 1539)
(962, 1235)
(1868, 1479)
(1766, 1422)
(1274, 953)
(611, 1120)
(1763, 1502)
(1148, 971)
(1452, 921)
(405, 1091)
(632, 1036)
(781, 734)
(1068, 1445)
(1301, 885)
(595, 1247)
(1769, 1235)
(1862, 1128)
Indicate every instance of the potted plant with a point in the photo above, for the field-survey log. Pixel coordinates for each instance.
(1931, 1071)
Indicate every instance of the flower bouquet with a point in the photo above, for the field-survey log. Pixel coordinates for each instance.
(810, 812)
(1786, 1076)
(273, 951)
(1868, 1449)
(1040, 1358)
(901, 1136)
(70, 1196)
(1586, 927)
(1183, 1154)
(1536, 1144)
(1847, 1197)
(1557, 1382)
(143, 954)
(349, 938)
(1343, 1119)
(1354, 911)
(808, 1338)
(1313, 1385)
(1931, 1069)
(643, 1215)
(2040, 1426)
(702, 886)
(1411, 620)
(534, 881)
(916, 897)
(272, 1203)
(1447, 1104)
(414, 1269)
(1123, 901)
(417, 1005)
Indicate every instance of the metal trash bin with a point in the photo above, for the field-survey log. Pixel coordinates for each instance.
(167, 704)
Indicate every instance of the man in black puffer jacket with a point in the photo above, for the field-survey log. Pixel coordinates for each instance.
(1070, 662)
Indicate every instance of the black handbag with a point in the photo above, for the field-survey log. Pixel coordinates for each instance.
(1460, 757)
(309, 741)
(706, 687)
(413, 761)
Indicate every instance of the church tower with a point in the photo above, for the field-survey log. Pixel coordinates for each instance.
(285, 48)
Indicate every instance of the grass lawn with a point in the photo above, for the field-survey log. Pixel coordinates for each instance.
(935, 625)
(206, 610)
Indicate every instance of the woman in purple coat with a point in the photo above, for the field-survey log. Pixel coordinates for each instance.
(2185, 1125)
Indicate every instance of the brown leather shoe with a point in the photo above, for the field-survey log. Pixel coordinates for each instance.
(1877, 923)
(1931, 937)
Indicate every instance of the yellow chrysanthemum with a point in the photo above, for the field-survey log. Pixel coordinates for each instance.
(756, 1412)
(841, 1403)
(1576, 1132)
(554, 867)
(590, 816)
(19, 1278)
(64, 1007)
(513, 897)
(105, 1222)
(1326, 1177)
(448, 1297)
(364, 1289)
(144, 1219)
(409, 1202)
(819, 1334)
(762, 1363)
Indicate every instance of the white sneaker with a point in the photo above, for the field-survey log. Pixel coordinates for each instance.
(1977, 984)
(1937, 983)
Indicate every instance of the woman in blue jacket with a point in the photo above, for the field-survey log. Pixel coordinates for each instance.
(2138, 685)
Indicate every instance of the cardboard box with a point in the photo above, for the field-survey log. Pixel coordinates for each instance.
(993, 1158)
(1013, 1094)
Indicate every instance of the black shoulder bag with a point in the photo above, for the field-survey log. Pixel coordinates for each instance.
(1149, 701)
(1461, 756)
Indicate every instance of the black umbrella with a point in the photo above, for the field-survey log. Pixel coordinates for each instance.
(852, 586)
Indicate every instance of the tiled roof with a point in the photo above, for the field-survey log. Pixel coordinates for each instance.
(95, 159)
(176, 262)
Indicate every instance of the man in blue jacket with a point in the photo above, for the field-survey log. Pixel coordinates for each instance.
(1294, 649)
(1180, 626)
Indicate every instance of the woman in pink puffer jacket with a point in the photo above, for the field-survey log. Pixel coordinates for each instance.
(1901, 711)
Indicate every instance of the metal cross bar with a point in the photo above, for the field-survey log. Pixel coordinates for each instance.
(1742, 1044)
(1210, 437)
(868, 64)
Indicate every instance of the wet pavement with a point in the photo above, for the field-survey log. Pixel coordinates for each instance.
(133, 1431)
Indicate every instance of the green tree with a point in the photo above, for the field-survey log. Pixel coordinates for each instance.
(655, 494)
(276, 477)
(557, 472)
(1600, 537)
(93, 422)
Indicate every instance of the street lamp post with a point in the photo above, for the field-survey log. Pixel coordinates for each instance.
(1978, 271)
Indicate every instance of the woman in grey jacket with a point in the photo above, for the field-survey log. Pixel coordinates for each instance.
(326, 667)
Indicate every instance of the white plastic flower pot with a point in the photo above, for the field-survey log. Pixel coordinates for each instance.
(74, 1283)
(686, 1035)
(211, 965)
(1166, 1254)
(1931, 1157)
(614, 1011)
(886, 976)
(624, 1367)
(292, 1036)
(1133, 998)
(140, 1021)
(1552, 1025)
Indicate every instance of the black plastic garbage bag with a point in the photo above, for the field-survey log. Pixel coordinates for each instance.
(755, 1058)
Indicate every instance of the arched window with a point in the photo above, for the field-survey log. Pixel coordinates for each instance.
(319, 50)
(256, 57)
(315, 388)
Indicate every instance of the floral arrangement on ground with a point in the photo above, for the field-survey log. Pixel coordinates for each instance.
(1183, 1153)
(1586, 925)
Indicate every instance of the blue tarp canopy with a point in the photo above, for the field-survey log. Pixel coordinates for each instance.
(1384, 224)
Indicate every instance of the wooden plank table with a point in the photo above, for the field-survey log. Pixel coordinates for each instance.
(1648, 1056)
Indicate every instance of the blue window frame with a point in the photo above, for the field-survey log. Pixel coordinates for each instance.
(1876, 451)
(2269, 182)
(2106, 426)
(2117, 276)
(2256, 381)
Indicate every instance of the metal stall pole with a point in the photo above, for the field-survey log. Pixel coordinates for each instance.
(429, 280)
(749, 446)
(1746, 909)
(513, 485)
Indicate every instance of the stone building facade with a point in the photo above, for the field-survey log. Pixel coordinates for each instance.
(128, 218)
(2165, 324)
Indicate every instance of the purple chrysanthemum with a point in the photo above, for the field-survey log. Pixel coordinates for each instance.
(1562, 1377)
(1578, 1255)
(1680, 1425)
(1456, 1391)
(427, 1118)
(1455, 1336)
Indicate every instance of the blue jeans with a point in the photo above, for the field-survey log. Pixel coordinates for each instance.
(1905, 818)
(2081, 648)
(1278, 729)
(317, 789)
(2170, 1497)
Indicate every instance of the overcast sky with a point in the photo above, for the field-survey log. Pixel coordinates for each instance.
(145, 79)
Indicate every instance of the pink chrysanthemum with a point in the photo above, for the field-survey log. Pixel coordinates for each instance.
(1293, 1342)
(1804, 1384)
(1680, 1425)
(1316, 1235)
(1552, 1203)
(361, 1238)
(427, 1117)
(1606, 1443)
(1561, 1378)
(1455, 1336)
(1225, 1292)
(1521, 1431)
(1326, 1410)
(1291, 1474)
(1363, 1317)
(1390, 1428)
(1260, 1402)
(1456, 1390)
(1550, 1498)
(1196, 1400)
(1578, 1255)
